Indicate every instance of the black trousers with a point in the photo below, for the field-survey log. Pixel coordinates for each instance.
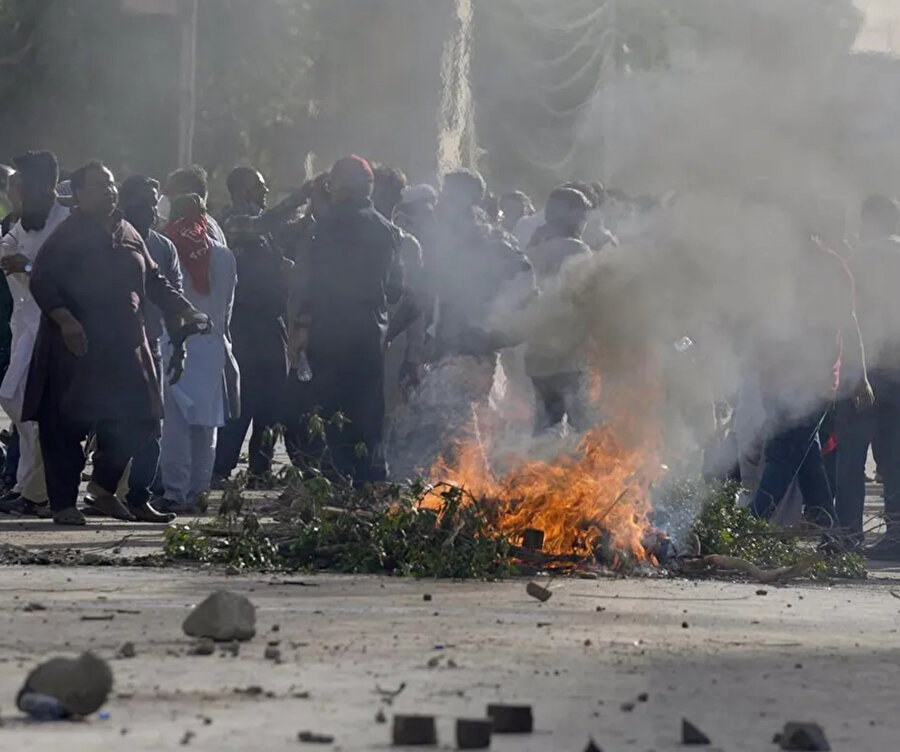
(61, 444)
(354, 389)
(263, 382)
(230, 440)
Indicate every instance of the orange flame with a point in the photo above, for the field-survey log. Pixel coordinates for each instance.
(598, 495)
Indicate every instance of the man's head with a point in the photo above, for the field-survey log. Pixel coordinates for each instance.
(567, 212)
(416, 208)
(186, 180)
(880, 218)
(587, 190)
(352, 179)
(388, 189)
(514, 205)
(247, 187)
(37, 173)
(462, 191)
(94, 188)
(139, 201)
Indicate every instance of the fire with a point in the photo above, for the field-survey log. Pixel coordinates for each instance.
(596, 497)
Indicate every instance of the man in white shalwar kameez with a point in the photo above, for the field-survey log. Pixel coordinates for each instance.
(206, 395)
(38, 173)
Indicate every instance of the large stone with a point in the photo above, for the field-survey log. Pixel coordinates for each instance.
(806, 737)
(81, 684)
(224, 616)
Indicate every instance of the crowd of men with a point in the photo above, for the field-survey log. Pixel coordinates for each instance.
(150, 334)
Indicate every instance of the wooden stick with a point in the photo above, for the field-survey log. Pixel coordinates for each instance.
(781, 574)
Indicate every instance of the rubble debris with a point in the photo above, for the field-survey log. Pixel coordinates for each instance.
(807, 737)
(414, 730)
(311, 737)
(206, 646)
(643, 697)
(97, 617)
(762, 592)
(35, 606)
(223, 616)
(254, 690)
(272, 654)
(81, 685)
(536, 591)
(592, 746)
(126, 650)
(691, 735)
(511, 719)
(685, 625)
(473, 733)
(186, 739)
(626, 707)
(533, 540)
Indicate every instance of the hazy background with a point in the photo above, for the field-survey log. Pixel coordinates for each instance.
(286, 83)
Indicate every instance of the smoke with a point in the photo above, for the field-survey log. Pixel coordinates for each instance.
(762, 129)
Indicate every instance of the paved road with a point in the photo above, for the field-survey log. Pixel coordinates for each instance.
(742, 666)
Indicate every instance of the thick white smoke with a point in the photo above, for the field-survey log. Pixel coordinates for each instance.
(767, 131)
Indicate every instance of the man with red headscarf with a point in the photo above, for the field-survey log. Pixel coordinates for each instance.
(354, 272)
(206, 396)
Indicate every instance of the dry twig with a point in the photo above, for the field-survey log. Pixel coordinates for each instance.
(781, 574)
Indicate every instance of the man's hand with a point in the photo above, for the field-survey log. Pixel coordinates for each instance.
(864, 397)
(74, 337)
(195, 322)
(176, 364)
(14, 263)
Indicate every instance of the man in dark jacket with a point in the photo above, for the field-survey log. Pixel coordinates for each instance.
(138, 200)
(92, 368)
(257, 323)
(355, 271)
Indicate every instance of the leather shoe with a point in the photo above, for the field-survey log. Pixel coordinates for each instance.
(146, 513)
(70, 517)
(102, 502)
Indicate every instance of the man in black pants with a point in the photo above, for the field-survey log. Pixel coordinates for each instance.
(257, 323)
(92, 369)
(355, 271)
(138, 200)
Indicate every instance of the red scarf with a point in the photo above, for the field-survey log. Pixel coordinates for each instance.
(190, 234)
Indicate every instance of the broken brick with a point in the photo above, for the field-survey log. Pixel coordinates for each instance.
(511, 719)
(805, 737)
(536, 591)
(414, 730)
(474, 733)
(691, 735)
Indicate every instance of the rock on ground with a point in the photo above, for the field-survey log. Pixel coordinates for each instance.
(223, 616)
(81, 684)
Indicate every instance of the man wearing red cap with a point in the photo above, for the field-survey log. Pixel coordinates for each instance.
(355, 271)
